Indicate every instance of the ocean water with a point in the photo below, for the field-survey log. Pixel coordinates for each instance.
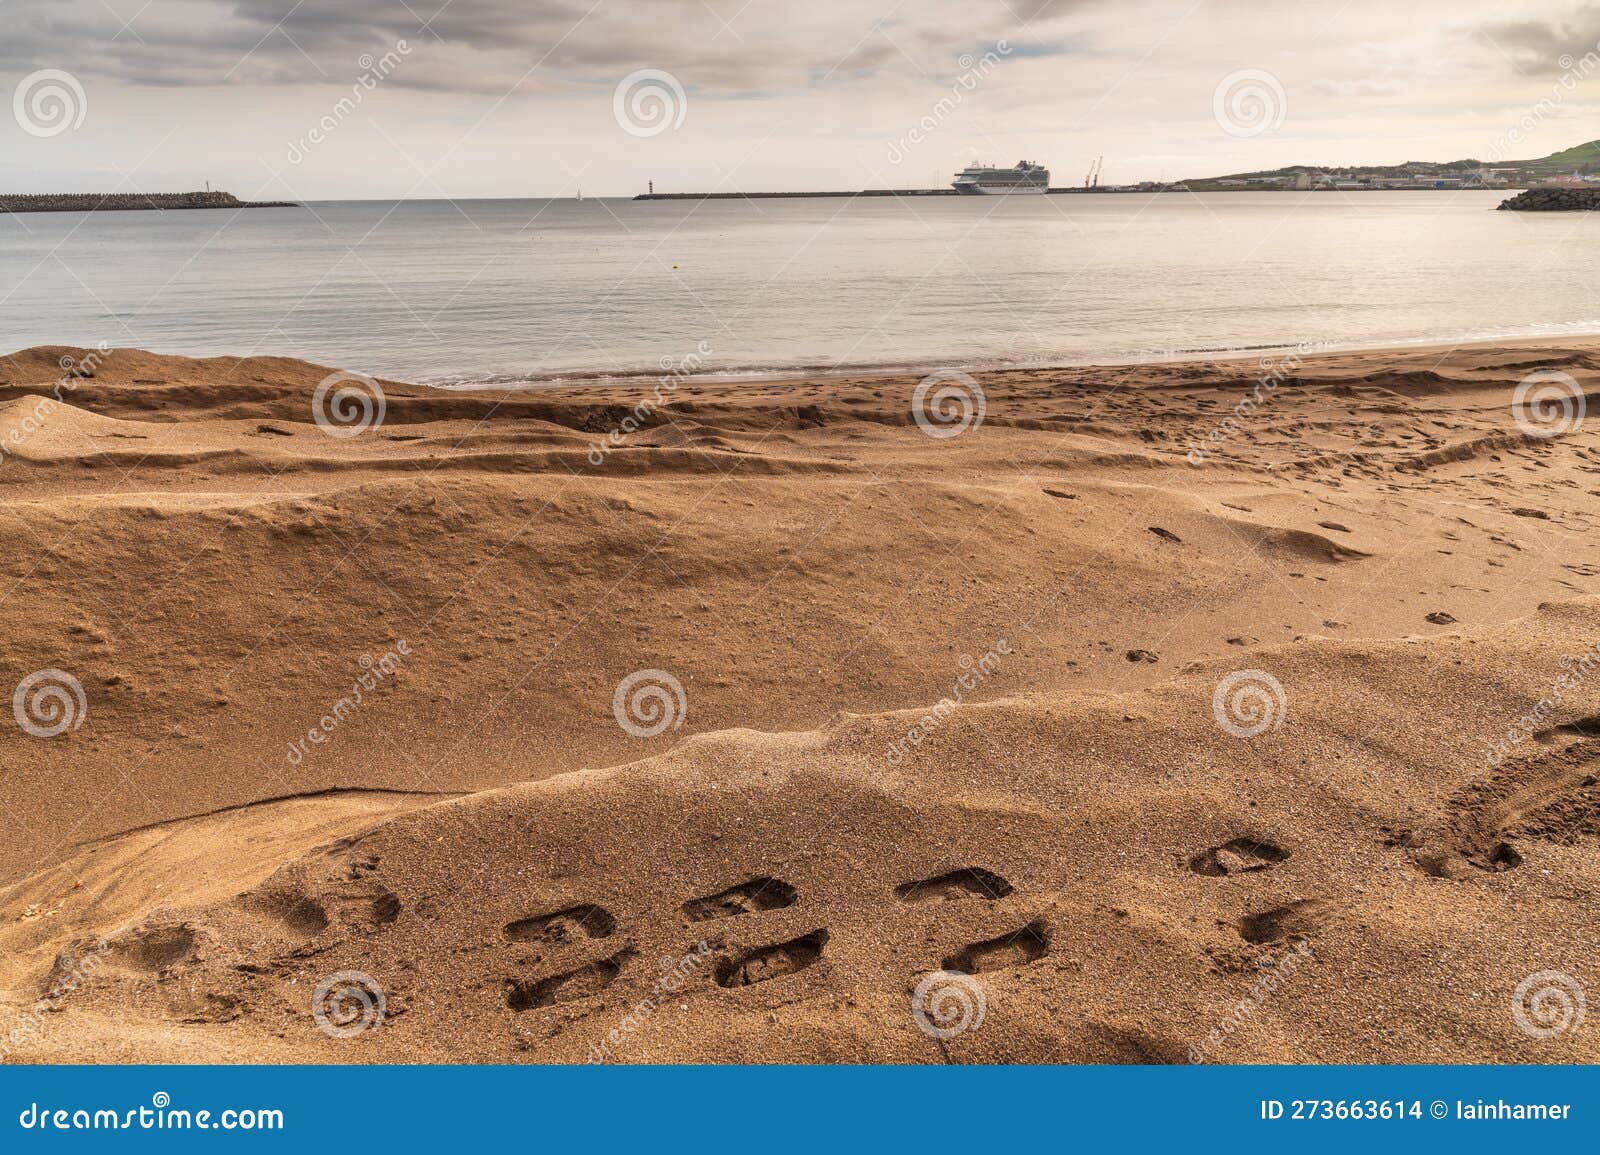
(480, 292)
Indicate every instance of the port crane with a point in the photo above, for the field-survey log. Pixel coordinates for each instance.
(1092, 180)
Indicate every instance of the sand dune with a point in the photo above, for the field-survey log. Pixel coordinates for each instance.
(1082, 836)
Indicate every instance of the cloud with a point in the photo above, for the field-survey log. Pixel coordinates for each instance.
(1349, 88)
(505, 97)
(497, 46)
(1544, 43)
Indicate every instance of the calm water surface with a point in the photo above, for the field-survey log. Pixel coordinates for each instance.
(492, 291)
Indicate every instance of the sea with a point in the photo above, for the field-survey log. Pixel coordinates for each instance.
(545, 292)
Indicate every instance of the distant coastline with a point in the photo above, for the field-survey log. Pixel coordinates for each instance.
(1579, 165)
(950, 192)
(124, 202)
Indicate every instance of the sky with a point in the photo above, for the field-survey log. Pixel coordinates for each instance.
(327, 99)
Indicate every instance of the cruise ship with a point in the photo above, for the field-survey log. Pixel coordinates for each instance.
(986, 180)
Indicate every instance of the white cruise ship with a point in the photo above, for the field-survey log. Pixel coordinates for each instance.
(986, 180)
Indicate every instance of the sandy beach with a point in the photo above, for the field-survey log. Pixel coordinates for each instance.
(1232, 711)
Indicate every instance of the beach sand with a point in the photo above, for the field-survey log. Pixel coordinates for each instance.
(1129, 725)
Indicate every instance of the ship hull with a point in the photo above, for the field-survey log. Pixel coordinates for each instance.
(977, 190)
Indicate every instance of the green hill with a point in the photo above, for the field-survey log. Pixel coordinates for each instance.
(1584, 158)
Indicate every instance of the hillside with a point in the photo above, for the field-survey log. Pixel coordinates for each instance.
(1467, 172)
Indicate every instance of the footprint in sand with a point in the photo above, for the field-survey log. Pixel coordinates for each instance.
(1544, 794)
(570, 924)
(1239, 856)
(300, 914)
(569, 985)
(977, 884)
(967, 882)
(1296, 920)
(156, 949)
(766, 963)
(1018, 948)
(746, 898)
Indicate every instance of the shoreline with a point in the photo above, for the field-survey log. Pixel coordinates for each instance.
(1589, 337)
(455, 384)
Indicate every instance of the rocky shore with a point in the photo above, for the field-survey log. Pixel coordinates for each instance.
(121, 202)
(1553, 200)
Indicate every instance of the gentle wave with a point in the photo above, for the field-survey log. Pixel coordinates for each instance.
(533, 294)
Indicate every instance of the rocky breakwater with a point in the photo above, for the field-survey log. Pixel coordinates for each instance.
(114, 202)
(1554, 199)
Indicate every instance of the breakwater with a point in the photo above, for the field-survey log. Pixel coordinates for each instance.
(1554, 200)
(123, 202)
(871, 192)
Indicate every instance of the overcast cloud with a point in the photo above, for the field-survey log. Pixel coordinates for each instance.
(511, 97)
